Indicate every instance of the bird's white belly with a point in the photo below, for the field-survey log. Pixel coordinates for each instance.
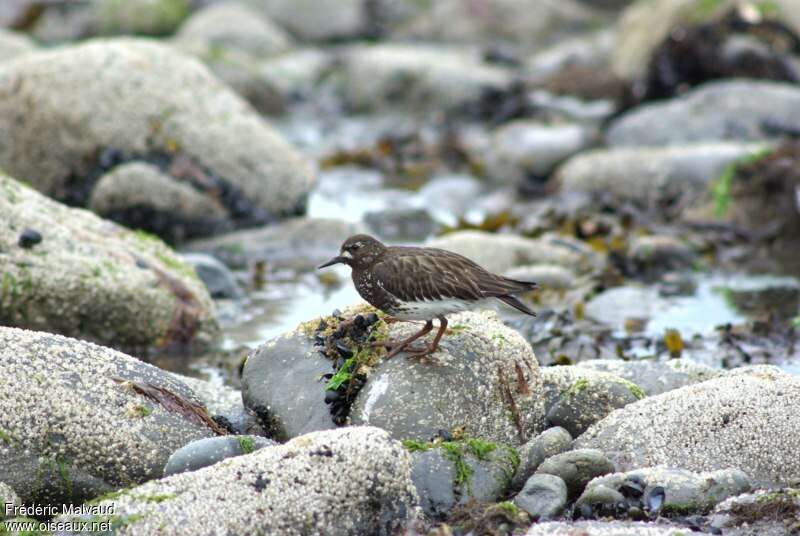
(428, 310)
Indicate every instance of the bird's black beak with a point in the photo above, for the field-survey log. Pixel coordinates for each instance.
(336, 260)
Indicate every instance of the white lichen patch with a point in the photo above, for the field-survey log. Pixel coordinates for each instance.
(347, 482)
(93, 279)
(746, 420)
(61, 403)
(603, 528)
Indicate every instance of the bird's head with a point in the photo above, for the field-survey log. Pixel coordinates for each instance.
(358, 251)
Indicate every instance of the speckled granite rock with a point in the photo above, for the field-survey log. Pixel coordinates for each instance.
(576, 398)
(488, 361)
(187, 123)
(499, 253)
(93, 279)
(655, 377)
(347, 482)
(13, 44)
(7, 496)
(605, 528)
(69, 431)
(211, 450)
(746, 420)
(685, 492)
(762, 513)
(457, 476)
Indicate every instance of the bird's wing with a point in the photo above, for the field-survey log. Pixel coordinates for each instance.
(424, 274)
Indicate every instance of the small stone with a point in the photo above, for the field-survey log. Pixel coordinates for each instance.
(29, 238)
(210, 450)
(543, 496)
(577, 468)
(549, 443)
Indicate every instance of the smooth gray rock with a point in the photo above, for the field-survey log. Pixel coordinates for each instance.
(198, 131)
(319, 20)
(648, 175)
(661, 253)
(208, 451)
(576, 398)
(685, 492)
(217, 278)
(296, 73)
(92, 432)
(435, 477)
(521, 149)
(746, 420)
(549, 443)
(299, 243)
(499, 253)
(655, 377)
(415, 77)
(736, 110)
(577, 468)
(490, 363)
(93, 279)
(761, 513)
(599, 496)
(543, 497)
(401, 224)
(351, 481)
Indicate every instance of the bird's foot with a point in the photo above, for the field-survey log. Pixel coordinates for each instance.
(420, 354)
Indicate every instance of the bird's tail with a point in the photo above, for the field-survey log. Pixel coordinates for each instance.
(516, 304)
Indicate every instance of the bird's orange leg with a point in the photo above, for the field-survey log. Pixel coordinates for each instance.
(430, 348)
(395, 347)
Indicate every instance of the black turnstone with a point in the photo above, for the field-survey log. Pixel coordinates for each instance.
(414, 283)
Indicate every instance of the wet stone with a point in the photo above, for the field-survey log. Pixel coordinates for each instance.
(543, 497)
(577, 468)
(208, 451)
(549, 443)
(29, 238)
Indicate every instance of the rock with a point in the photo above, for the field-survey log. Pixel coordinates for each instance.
(526, 149)
(208, 451)
(296, 73)
(350, 482)
(455, 473)
(449, 197)
(236, 26)
(218, 279)
(654, 377)
(401, 224)
(660, 253)
(576, 398)
(301, 243)
(95, 280)
(13, 44)
(543, 497)
(187, 124)
(592, 50)
(762, 513)
(489, 362)
(613, 307)
(506, 20)
(734, 110)
(645, 24)
(223, 401)
(92, 433)
(745, 420)
(499, 253)
(138, 17)
(320, 20)
(685, 492)
(576, 468)
(7, 497)
(141, 196)
(598, 500)
(549, 443)
(604, 528)
(548, 276)
(650, 175)
(416, 77)
(281, 382)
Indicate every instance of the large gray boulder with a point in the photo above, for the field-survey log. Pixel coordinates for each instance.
(654, 377)
(498, 394)
(414, 76)
(651, 174)
(352, 481)
(732, 110)
(13, 44)
(187, 124)
(72, 427)
(745, 420)
(67, 271)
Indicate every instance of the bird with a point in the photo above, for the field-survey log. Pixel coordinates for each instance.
(422, 283)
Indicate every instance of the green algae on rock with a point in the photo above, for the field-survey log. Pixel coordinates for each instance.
(93, 279)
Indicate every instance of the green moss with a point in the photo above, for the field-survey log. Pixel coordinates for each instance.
(141, 411)
(64, 474)
(481, 449)
(768, 8)
(509, 507)
(455, 453)
(156, 498)
(636, 391)
(458, 328)
(577, 386)
(5, 437)
(721, 188)
(681, 509)
(702, 10)
(414, 445)
(247, 444)
(110, 496)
